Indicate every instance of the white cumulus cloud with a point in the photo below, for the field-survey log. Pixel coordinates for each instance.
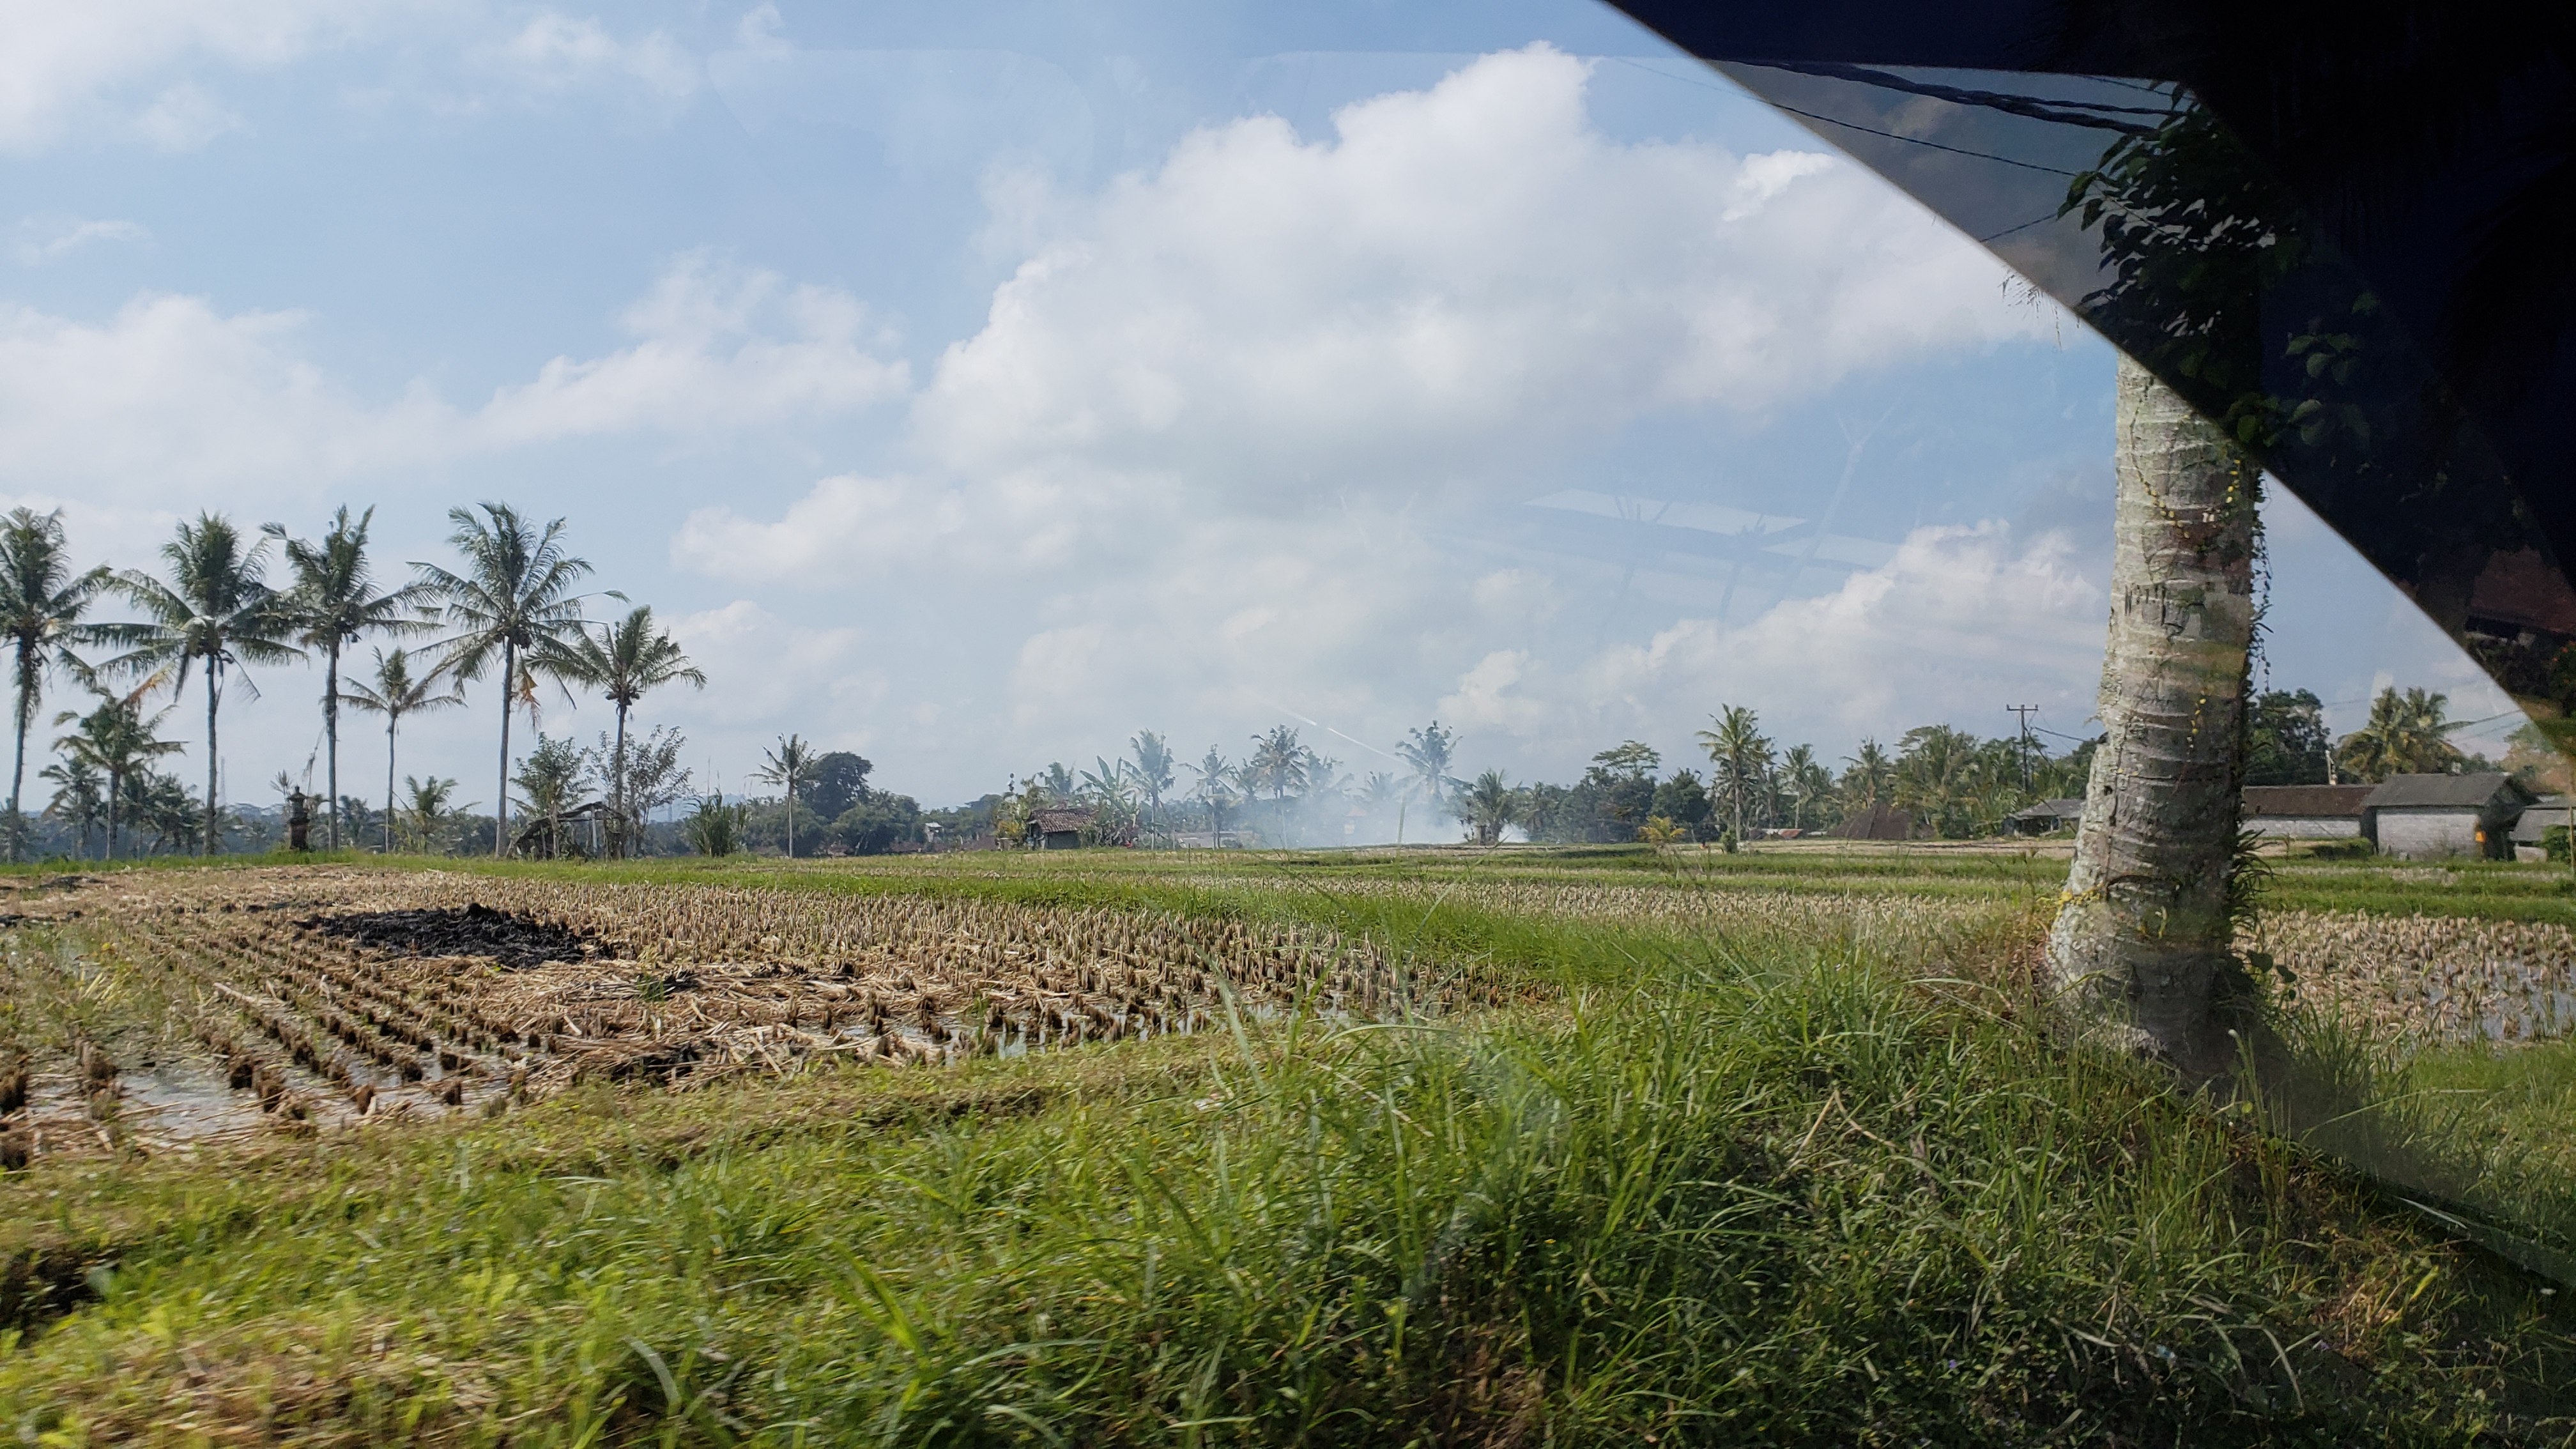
(717, 348)
(1457, 275)
(1960, 619)
(760, 666)
(42, 239)
(558, 51)
(61, 65)
(185, 117)
(1206, 457)
(172, 403)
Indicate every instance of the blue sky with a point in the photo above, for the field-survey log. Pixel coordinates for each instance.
(973, 386)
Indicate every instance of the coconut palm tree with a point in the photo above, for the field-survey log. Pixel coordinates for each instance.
(80, 795)
(624, 661)
(788, 766)
(393, 694)
(515, 594)
(1278, 765)
(1153, 768)
(216, 613)
(2403, 736)
(1488, 806)
(1869, 777)
(1804, 780)
(41, 604)
(332, 603)
(432, 802)
(1216, 782)
(160, 803)
(1430, 752)
(1739, 757)
(115, 740)
(1936, 775)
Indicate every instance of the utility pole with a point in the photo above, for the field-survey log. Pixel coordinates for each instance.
(2024, 712)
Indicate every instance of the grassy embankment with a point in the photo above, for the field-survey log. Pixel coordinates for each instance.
(1776, 1157)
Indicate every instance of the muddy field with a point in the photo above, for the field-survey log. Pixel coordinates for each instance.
(151, 1011)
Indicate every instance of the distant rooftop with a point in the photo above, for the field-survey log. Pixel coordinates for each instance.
(2338, 802)
(2066, 807)
(2459, 792)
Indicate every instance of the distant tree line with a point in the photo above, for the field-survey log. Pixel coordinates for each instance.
(825, 807)
(1953, 783)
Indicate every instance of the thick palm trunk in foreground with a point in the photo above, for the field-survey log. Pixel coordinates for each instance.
(2142, 934)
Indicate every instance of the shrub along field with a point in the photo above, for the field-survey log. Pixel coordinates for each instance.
(1569, 1146)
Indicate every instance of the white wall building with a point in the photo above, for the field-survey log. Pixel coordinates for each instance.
(2308, 812)
(2433, 817)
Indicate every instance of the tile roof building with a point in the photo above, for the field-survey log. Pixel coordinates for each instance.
(2308, 812)
(2429, 817)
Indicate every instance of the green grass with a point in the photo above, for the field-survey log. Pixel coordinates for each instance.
(1767, 1189)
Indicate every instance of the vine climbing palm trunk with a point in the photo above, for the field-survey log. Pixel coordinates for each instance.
(2140, 946)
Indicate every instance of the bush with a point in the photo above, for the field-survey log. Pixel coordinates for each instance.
(872, 826)
(715, 828)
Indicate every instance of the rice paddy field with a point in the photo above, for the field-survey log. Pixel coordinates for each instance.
(1530, 1147)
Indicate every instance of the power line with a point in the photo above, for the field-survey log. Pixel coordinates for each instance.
(1919, 141)
(1850, 125)
(1996, 236)
(2064, 113)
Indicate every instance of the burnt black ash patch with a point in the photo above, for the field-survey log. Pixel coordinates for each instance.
(512, 938)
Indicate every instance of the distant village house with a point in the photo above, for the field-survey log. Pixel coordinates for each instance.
(2047, 816)
(1058, 829)
(2431, 817)
(2531, 832)
(2309, 812)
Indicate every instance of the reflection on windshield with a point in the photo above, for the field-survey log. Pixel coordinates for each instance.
(2142, 211)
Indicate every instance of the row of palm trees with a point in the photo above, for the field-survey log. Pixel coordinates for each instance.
(511, 608)
(1129, 797)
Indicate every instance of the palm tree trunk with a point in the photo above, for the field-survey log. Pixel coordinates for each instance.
(331, 735)
(18, 771)
(2139, 946)
(390, 717)
(115, 787)
(501, 811)
(212, 841)
(617, 786)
